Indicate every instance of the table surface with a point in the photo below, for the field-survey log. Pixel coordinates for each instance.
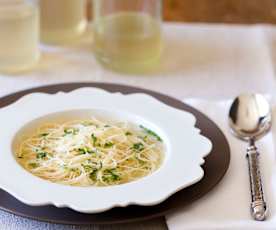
(199, 60)
(229, 11)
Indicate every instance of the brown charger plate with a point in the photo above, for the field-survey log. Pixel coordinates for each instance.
(215, 167)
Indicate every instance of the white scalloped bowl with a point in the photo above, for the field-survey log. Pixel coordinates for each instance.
(185, 148)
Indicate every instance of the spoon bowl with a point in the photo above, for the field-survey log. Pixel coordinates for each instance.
(250, 117)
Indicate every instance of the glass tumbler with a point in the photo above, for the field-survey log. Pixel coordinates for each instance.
(19, 35)
(62, 21)
(127, 34)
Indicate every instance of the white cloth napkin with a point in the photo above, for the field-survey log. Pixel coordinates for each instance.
(227, 205)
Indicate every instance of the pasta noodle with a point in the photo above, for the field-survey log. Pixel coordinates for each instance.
(91, 152)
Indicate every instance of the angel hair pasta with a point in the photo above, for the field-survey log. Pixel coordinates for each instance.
(91, 152)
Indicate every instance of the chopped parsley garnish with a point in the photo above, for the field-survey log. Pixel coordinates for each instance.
(107, 126)
(84, 150)
(93, 175)
(108, 144)
(128, 133)
(150, 132)
(94, 139)
(101, 165)
(138, 146)
(81, 150)
(73, 131)
(33, 165)
(144, 138)
(39, 149)
(110, 175)
(43, 134)
(87, 168)
(41, 155)
(75, 170)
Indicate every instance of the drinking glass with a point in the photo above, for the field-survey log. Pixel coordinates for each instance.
(62, 21)
(127, 34)
(19, 35)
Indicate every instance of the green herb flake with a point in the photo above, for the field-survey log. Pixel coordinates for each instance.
(87, 168)
(93, 175)
(144, 138)
(75, 170)
(93, 153)
(72, 131)
(128, 133)
(150, 132)
(138, 146)
(90, 151)
(33, 165)
(107, 126)
(94, 139)
(43, 134)
(110, 175)
(41, 155)
(81, 150)
(108, 144)
(84, 150)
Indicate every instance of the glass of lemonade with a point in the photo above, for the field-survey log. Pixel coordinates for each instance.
(127, 34)
(62, 21)
(19, 35)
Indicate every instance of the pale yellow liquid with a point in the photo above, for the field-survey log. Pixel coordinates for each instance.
(62, 20)
(19, 37)
(128, 42)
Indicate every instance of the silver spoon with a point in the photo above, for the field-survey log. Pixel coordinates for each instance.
(250, 119)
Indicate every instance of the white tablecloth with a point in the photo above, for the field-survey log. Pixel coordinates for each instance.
(200, 60)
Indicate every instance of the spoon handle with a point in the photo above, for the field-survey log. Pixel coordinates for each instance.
(258, 205)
